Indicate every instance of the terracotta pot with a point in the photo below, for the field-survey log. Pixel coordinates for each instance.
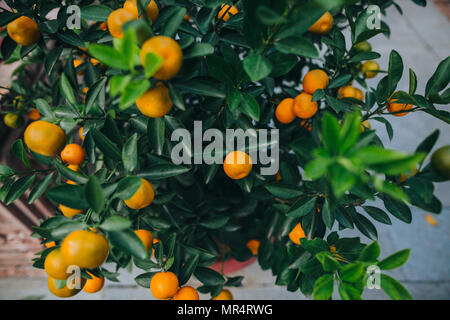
(232, 265)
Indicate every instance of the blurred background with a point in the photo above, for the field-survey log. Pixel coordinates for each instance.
(421, 36)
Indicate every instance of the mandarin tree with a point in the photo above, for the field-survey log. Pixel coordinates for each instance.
(104, 94)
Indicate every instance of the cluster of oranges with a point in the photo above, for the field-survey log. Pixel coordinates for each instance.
(302, 105)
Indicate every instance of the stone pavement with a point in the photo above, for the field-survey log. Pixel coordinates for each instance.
(421, 37)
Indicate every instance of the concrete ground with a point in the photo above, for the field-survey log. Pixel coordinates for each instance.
(421, 37)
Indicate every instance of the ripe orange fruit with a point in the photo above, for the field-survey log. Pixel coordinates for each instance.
(440, 161)
(253, 246)
(304, 108)
(85, 249)
(152, 10)
(332, 249)
(55, 266)
(394, 108)
(314, 80)
(116, 21)
(169, 50)
(34, 114)
(297, 233)
(73, 167)
(370, 68)
(187, 293)
(12, 120)
(164, 285)
(103, 26)
(64, 292)
(323, 25)
(156, 102)
(278, 177)
(143, 197)
(69, 212)
(50, 244)
(187, 17)
(225, 294)
(44, 138)
(71, 182)
(146, 238)
(94, 285)
(73, 154)
(24, 31)
(350, 92)
(225, 13)
(285, 111)
(80, 133)
(94, 62)
(77, 63)
(237, 165)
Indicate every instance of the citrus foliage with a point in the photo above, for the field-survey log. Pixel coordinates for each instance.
(237, 65)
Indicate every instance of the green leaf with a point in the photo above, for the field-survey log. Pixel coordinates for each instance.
(215, 222)
(428, 143)
(329, 264)
(269, 16)
(301, 207)
(130, 153)
(128, 241)
(283, 191)
(163, 171)
(395, 261)
(174, 22)
(94, 91)
(153, 62)
(133, 91)
(209, 277)
(70, 174)
(188, 269)
(66, 89)
(371, 252)
(365, 226)
(105, 145)
(202, 87)
(145, 279)
(40, 187)
(199, 50)
(115, 223)
(330, 132)
(71, 196)
(257, 67)
(315, 246)
(328, 216)
(250, 106)
(395, 70)
(316, 168)
(43, 108)
(439, 80)
(412, 82)
(18, 188)
(118, 83)
(18, 150)
(109, 56)
(156, 134)
(95, 12)
(127, 187)
(398, 209)
(94, 194)
(377, 214)
(394, 289)
(297, 45)
(352, 272)
(349, 292)
(362, 56)
(5, 171)
(323, 287)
